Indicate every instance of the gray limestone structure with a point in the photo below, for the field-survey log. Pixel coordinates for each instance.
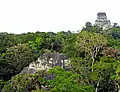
(102, 20)
(47, 61)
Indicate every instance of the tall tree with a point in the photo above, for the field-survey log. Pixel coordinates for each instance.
(91, 43)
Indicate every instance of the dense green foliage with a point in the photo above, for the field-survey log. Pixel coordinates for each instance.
(94, 54)
(56, 80)
(15, 59)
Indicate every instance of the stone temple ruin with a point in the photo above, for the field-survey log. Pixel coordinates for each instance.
(102, 21)
(47, 61)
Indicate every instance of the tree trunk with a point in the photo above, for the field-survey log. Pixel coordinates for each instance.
(93, 60)
(119, 90)
(118, 86)
(94, 55)
(96, 90)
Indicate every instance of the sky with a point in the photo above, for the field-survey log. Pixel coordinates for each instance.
(22, 16)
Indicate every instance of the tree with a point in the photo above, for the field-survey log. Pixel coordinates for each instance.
(82, 66)
(6, 41)
(91, 43)
(114, 43)
(17, 83)
(116, 76)
(1, 85)
(68, 46)
(88, 26)
(115, 32)
(35, 46)
(55, 80)
(15, 59)
(103, 70)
